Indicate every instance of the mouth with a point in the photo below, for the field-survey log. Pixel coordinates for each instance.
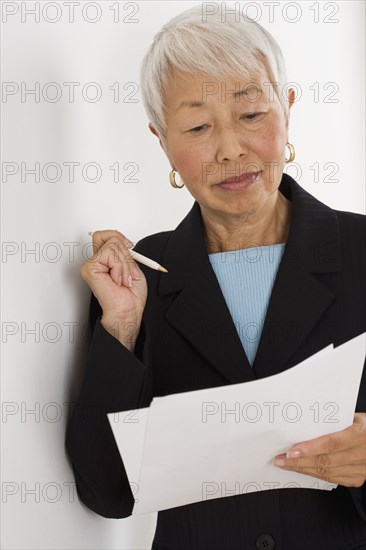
(237, 183)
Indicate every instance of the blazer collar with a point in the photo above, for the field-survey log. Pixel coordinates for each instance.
(297, 302)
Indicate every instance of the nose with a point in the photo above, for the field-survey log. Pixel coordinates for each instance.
(231, 144)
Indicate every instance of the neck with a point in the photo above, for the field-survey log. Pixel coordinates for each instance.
(269, 226)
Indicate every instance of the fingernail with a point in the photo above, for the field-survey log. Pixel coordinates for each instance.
(280, 462)
(129, 281)
(293, 454)
(135, 273)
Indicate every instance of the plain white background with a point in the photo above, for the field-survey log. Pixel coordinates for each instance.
(45, 222)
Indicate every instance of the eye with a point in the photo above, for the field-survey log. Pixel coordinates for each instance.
(197, 129)
(251, 116)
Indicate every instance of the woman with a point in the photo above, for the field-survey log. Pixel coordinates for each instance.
(296, 285)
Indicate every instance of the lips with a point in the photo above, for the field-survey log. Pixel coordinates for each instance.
(237, 183)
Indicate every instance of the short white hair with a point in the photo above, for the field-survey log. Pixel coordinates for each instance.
(193, 42)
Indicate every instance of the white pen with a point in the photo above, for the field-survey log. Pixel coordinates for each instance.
(142, 259)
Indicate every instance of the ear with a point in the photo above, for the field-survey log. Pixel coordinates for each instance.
(291, 97)
(155, 132)
(152, 129)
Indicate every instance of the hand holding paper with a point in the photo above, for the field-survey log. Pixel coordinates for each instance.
(220, 442)
(337, 458)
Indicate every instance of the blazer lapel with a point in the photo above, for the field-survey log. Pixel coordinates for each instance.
(200, 312)
(298, 300)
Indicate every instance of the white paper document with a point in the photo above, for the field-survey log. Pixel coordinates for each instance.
(220, 442)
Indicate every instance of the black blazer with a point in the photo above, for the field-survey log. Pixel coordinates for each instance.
(188, 341)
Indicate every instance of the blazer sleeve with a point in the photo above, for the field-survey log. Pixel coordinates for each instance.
(359, 498)
(115, 379)
(359, 493)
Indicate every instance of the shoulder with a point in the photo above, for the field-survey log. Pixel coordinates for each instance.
(352, 230)
(318, 217)
(153, 245)
(352, 221)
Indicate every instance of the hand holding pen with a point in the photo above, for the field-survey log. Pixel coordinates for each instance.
(118, 283)
(141, 258)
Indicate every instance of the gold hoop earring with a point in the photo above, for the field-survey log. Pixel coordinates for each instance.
(172, 181)
(292, 153)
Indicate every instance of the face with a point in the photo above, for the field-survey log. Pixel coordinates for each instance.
(213, 135)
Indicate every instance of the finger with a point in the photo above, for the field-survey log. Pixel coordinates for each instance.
(353, 456)
(125, 266)
(349, 470)
(115, 258)
(360, 419)
(119, 260)
(350, 475)
(135, 271)
(99, 238)
(330, 443)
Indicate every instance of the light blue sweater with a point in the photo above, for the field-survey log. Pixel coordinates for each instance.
(246, 278)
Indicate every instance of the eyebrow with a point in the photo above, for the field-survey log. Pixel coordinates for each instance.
(237, 95)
